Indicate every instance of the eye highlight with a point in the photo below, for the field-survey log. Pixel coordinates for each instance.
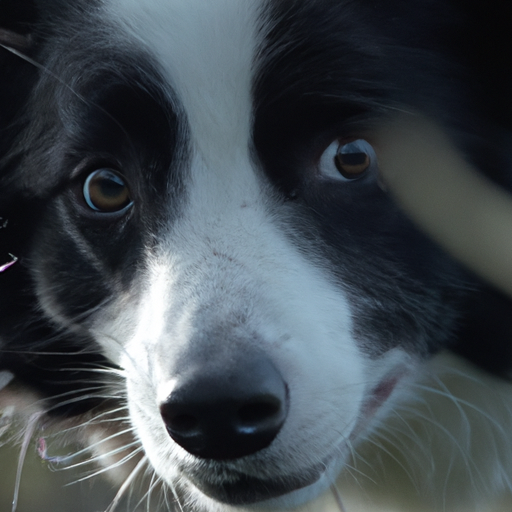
(106, 191)
(348, 161)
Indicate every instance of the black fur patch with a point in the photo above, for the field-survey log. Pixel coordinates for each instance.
(85, 105)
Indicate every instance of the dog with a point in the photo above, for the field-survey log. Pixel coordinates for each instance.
(196, 238)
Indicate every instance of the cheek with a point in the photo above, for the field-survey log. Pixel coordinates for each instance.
(67, 283)
(326, 373)
(326, 397)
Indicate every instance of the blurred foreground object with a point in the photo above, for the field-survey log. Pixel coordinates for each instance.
(454, 203)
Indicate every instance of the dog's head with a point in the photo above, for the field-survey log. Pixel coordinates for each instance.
(193, 196)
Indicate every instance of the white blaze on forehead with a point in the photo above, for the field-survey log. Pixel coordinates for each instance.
(224, 263)
(205, 49)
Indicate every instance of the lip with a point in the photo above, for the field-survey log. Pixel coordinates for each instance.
(374, 402)
(380, 394)
(245, 490)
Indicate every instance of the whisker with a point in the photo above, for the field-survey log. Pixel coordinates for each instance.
(110, 467)
(176, 498)
(78, 399)
(337, 498)
(155, 481)
(106, 440)
(459, 402)
(390, 454)
(98, 458)
(31, 426)
(175, 494)
(99, 419)
(352, 468)
(126, 484)
(100, 334)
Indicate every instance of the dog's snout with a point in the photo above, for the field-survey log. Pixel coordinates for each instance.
(227, 410)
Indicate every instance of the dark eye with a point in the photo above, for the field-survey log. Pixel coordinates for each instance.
(348, 161)
(106, 191)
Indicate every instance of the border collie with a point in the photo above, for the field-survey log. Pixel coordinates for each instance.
(200, 261)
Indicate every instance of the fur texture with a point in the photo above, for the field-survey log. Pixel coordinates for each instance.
(196, 266)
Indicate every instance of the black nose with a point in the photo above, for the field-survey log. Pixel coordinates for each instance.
(227, 410)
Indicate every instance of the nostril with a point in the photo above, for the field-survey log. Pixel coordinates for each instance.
(184, 424)
(215, 413)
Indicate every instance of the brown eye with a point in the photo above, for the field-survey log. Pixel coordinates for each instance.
(106, 191)
(352, 160)
(349, 161)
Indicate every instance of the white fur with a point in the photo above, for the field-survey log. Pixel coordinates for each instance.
(205, 50)
(226, 263)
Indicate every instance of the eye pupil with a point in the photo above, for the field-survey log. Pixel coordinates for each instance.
(106, 191)
(354, 159)
(350, 161)
(110, 188)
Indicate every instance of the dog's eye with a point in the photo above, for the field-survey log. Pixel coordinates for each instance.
(106, 191)
(350, 161)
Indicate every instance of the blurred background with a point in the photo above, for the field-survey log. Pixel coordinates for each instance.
(45, 490)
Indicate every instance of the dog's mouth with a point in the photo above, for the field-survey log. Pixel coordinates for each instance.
(242, 489)
(245, 490)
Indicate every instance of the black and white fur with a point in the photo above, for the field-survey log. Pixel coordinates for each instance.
(247, 266)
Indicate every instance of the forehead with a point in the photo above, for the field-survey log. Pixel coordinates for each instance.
(205, 50)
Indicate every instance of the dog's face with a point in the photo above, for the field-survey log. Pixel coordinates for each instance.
(208, 211)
